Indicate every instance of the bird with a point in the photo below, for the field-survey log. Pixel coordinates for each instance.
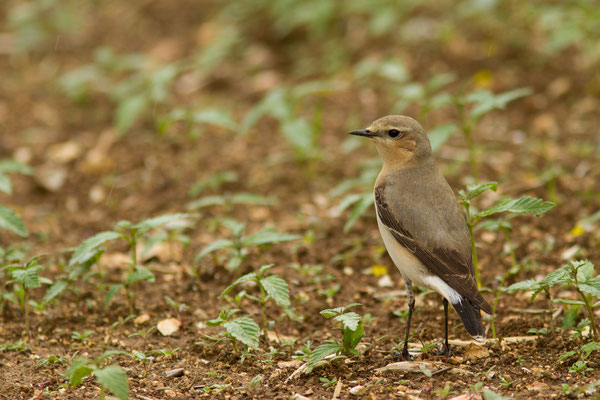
(422, 226)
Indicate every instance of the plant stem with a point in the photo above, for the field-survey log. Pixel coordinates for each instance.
(550, 309)
(26, 307)
(470, 224)
(264, 310)
(589, 307)
(496, 300)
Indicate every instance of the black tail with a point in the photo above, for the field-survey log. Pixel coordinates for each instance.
(471, 318)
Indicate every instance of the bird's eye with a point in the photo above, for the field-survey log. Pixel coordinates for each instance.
(393, 132)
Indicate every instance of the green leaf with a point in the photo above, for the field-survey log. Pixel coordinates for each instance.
(253, 199)
(329, 313)
(213, 182)
(15, 167)
(245, 330)
(440, 134)
(363, 204)
(584, 268)
(87, 249)
(207, 201)
(560, 275)
(155, 222)
(215, 116)
(214, 246)
(300, 134)
(129, 111)
(27, 277)
(524, 205)
(263, 269)
(5, 185)
(475, 190)
(78, 370)
(11, 222)
(352, 337)
(278, 289)
(592, 288)
(491, 395)
(57, 288)
(246, 278)
(114, 289)
(349, 320)
(267, 236)
(528, 284)
(115, 380)
(318, 354)
(140, 274)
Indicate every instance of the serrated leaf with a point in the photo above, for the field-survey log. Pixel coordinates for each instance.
(528, 284)
(155, 222)
(214, 246)
(87, 249)
(329, 313)
(245, 330)
(78, 370)
(592, 287)
(268, 237)
(584, 268)
(263, 269)
(28, 277)
(57, 288)
(440, 134)
(115, 380)
(523, 205)
(352, 337)
(277, 288)
(476, 189)
(129, 111)
(349, 320)
(11, 222)
(245, 278)
(318, 354)
(558, 276)
(140, 274)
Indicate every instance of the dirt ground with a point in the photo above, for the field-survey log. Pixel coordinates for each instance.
(108, 178)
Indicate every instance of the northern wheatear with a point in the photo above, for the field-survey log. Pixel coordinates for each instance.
(423, 228)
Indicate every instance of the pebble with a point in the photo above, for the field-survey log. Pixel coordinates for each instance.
(358, 390)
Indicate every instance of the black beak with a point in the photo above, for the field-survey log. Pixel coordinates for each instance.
(363, 132)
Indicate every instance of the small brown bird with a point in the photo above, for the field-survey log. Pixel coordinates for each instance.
(423, 228)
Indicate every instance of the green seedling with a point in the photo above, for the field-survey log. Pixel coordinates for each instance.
(445, 392)
(576, 275)
(52, 361)
(179, 308)
(144, 334)
(242, 329)
(132, 234)
(583, 353)
(327, 383)
(238, 248)
(8, 218)
(474, 105)
(213, 182)
(523, 205)
(229, 200)
(353, 331)
(18, 347)
(166, 353)
(197, 120)
(271, 287)
(81, 337)
(24, 278)
(112, 378)
(144, 359)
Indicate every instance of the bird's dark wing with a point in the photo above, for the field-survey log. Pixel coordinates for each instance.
(448, 264)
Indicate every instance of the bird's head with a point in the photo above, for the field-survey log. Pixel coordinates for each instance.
(399, 139)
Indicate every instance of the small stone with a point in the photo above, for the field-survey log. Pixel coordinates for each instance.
(358, 390)
(50, 177)
(474, 352)
(168, 326)
(385, 281)
(141, 319)
(297, 396)
(174, 372)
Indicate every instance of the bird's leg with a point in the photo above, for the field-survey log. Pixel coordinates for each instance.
(446, 351)
(411, 305)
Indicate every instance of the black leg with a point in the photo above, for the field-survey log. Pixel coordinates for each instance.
(411, 305)
(446, 344)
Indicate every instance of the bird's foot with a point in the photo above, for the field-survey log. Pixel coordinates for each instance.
(444, 350)
(400, 356)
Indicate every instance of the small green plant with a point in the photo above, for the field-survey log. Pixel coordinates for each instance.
(242, 329)
(8, 219)
(272, 287)
(238, 248)
(214, 181)
(81, 337)
(327, 383)
(523, 205)
(353, 331)
(445, 392)
(52, 361)
(228, 200)
(583, 353)
(144, 334)
(111, 377)
(576, 275)
(19, 346)
(132, 234)
(144, 359)
(24, 278)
